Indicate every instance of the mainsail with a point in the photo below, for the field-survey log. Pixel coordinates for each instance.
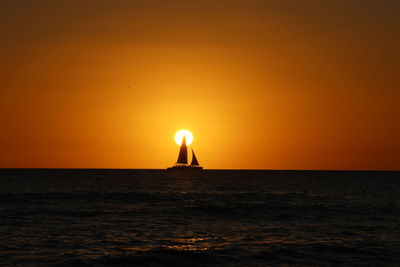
(182, 158)
(194, 159)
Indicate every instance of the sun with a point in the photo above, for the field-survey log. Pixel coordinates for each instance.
(180, 134)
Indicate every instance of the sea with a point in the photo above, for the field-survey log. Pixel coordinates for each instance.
(109, 217)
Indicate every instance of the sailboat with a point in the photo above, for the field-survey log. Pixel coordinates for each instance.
(182, 163)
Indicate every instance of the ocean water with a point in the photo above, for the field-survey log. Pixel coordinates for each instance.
(220, 218)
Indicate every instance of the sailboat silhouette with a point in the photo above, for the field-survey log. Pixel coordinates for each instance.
(182, 162)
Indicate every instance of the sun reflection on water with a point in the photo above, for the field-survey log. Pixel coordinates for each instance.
(191, 244)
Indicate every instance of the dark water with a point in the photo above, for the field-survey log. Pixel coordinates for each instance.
(223, 218)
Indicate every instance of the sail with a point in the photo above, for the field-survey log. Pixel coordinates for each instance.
(182, 158)
(194, 159)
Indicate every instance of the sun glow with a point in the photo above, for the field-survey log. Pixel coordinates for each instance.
(180, 134)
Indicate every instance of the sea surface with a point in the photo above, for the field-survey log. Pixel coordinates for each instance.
(57, 217)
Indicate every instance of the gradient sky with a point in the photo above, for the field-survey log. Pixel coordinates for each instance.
(279, 84)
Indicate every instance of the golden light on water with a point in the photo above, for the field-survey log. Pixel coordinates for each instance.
(180, 134)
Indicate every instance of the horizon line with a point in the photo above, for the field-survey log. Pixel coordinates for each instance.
(69, 168)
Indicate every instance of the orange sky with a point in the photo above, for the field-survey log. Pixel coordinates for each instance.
(261, 84)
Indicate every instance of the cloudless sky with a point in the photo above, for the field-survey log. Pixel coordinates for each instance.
(291, 84)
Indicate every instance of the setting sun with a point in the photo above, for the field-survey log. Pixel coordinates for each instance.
(180, 134)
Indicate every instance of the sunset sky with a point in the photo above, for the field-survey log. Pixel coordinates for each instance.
(288, 84)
